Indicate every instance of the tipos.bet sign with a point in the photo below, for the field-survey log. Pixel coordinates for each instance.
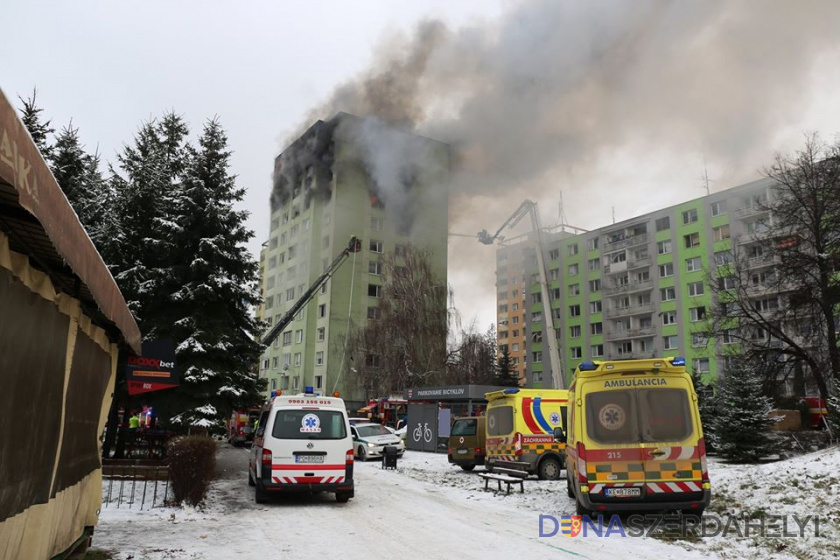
(154, 370)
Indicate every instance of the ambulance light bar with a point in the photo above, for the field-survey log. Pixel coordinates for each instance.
(679, 361)
(587, 366)
(511, 391)
(308, 390)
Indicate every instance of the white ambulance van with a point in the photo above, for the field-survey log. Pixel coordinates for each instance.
(302, 444)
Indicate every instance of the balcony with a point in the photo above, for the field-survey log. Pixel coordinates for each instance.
(641, 332)
(748, 211)
(621, 242)
(629, 310)
(629, 288)
(631, 355)
(630, 264)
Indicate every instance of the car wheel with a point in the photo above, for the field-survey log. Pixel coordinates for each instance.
(580, 510)
(260, 495)
(251, 479)
(467, 468)
(363, 455)
(549, 469)
(342, 497)
(569, 489)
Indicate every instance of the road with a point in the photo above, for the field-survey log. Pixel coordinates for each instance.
(425, 509)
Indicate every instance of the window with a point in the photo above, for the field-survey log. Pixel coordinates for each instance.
(319, 358)
(689, 216)
(699, 340)
(718, 208)
(697, 314)
(573, 249)
(293, 232)
(691, 240)
(574, 290)
(536, 357)
(554, 254)
(373, 313)
(322, 310)
(663, 223)
(695, 289)
(500, 421)
(324, 287)
(286, 218)
(375, 246)
(269, 302)
(592, 244)
(729, 336)
(767, 304)
(305, 224)
(536, 297)
(321, 333)
(663, 247)
(319, 381)
(298, 358)
(726, 283)
(516, 319)
(553, 274)
(292, 251)
(275, 362)
(287, 360)
(574, 332)
(596, 350)
(668, 294)
(595, 285)
(669, 342)
(573, 270)
(693, 264)
(576, 352)
(624, 348)
(596, 328)
(374, 290)
(669, 318)
(574, 310)
(272, 262)
(723, 258)
(642, 276)
(595, 306)
(376, 224)
(287, 338)
(666, 270)
(399, 250)
(721, 233)
(594, 264)
(298, 336)
(701, 365)
(375, 268)
(515, 347)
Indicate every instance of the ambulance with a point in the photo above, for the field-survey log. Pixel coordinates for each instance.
(634, 440)
(302, 444)
(520, 426)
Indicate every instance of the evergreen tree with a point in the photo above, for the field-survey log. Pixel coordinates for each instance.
(40, 131)
(215, 288)
(506, 375)
(741, 427)
(706, 404)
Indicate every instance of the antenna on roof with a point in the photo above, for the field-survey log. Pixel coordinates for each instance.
(563, 220)
(705, 178)
(613, 214)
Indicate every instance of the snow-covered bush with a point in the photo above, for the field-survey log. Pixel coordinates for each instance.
(192, 460)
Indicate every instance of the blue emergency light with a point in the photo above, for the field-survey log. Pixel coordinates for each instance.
(309, 390)
(587, 366)
(273, 394)
(679, 361)
(511, 391)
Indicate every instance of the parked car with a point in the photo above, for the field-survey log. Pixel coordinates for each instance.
(467, 442)
(354, 421)
(370, 439)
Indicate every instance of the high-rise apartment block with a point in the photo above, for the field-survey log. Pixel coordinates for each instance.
(635, 289)
(344, 177)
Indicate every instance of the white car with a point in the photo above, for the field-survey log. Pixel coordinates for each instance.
(369, 440)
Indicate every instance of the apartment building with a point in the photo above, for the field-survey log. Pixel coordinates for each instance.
(336, 195)
(634, 289)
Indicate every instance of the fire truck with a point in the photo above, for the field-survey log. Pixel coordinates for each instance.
(240, 427)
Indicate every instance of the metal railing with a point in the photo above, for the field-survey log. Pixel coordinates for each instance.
(627, 241)
(629, 310)
(615, 334)
(140, 484)
(629, 288)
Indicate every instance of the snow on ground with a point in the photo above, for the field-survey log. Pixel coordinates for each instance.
(428, 508)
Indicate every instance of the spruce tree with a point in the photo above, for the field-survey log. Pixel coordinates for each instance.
(741, 427)
(506, 375)
(40, 131)
(216, 287)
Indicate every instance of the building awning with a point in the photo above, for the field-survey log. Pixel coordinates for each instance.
(41, 224)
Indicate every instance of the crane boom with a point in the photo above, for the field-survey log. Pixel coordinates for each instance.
(530, 207)
(353, 247)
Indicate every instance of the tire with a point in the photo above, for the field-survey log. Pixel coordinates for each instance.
(260, 495)
(467, 468)
(580, 509)
(251, 479)
(569, 490)
(342, 497)
(549, 469)
(363, 456)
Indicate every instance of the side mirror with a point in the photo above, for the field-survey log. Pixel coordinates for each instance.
(559, 435)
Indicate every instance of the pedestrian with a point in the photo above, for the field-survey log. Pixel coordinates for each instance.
(134, 422)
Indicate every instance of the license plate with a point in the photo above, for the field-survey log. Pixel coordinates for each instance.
(309, 458)
(463, 451)
(623, 492)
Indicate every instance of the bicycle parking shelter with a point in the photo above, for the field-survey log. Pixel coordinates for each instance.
(431, 411)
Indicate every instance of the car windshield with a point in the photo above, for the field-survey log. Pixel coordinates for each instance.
(369, 431)
(638, 415)
(464, 427)
(309, 424)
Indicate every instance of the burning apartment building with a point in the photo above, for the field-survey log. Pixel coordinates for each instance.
(348, 176)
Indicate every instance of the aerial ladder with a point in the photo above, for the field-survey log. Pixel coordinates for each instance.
(529, 207)
(353, 247)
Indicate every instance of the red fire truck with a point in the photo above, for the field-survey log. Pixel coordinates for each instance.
(241, 426)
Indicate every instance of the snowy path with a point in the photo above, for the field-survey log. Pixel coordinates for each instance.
(426, 509)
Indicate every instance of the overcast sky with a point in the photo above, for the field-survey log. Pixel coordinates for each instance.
(647, 92)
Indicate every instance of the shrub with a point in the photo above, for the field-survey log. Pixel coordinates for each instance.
(192, 460)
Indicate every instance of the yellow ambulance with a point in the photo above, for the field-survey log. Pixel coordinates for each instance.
(634, 439)
(520, 425)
